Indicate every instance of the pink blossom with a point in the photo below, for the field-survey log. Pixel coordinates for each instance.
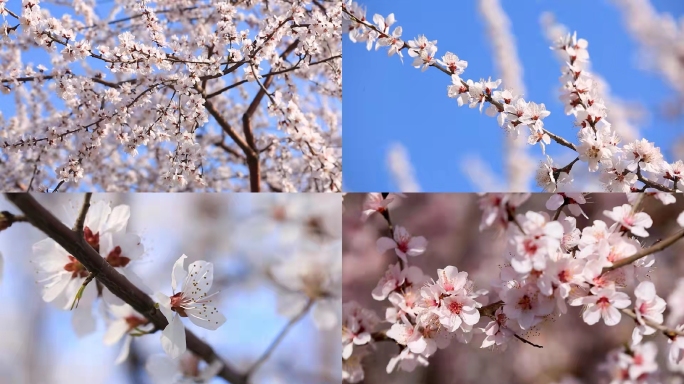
(403, 243)
(604, 303)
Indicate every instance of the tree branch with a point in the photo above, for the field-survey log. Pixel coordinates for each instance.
(45, 221)
(645, 252)
(80, 220)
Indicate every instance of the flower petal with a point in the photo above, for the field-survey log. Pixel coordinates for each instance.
(173, 338)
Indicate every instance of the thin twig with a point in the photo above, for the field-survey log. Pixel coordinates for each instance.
(279, 338)
(670, 333)
(526, 341)
(645, 252)
(80, 220)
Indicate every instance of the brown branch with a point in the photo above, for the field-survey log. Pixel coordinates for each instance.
(670, 333)
(45, 221)
(251, 154)
(80, 220)
(645, 252)
(7, 219)
(253, 160)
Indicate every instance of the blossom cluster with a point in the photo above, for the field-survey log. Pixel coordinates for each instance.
(66, 283)
(550, 264)
(95, 278)
(620, 165)
(144, 101)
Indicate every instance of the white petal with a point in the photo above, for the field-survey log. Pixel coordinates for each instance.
(173, 338)
(131, 245)
(165, 306)
(611, 316)
(206, 316)
(199, 280)
(1, 265)
(106, 244)
(122, 310)
(118, 219)
(56, 287)
(49, 256)
(591, 315)
(116, 330)
(325, 314)
(97, 216)
(385, 243)
(125, 348)
(178, 273)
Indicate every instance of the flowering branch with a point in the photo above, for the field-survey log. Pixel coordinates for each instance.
(550, 265)
(621, 166)
(657, 247)
(105, 274)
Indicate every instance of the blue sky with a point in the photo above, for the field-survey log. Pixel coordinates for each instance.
(386, 101)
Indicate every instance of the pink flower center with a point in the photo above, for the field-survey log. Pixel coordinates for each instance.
(628, 221)
(177, 301)
(403, 245)
(455, 307)
(603, 302)
(525, 303)
(564, 276)
(530, 246)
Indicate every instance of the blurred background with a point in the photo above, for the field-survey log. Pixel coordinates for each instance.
(404, 133)
(243, 235)
(450, 224)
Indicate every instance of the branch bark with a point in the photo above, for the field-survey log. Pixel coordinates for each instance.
(645, 252)
(76, 245)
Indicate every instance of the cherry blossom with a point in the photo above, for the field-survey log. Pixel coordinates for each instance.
(357, 327)
(553, 264)
(312, 275)
(636, 223)
(158, 96)
(125, 321)
(192, 301)
(375, 202)
(396, 277)
(647, 307)
(534, 240)
(403, 243)
(497, 332)
(63, 275)
(604, 303)
(638, 164)
(572, 200)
